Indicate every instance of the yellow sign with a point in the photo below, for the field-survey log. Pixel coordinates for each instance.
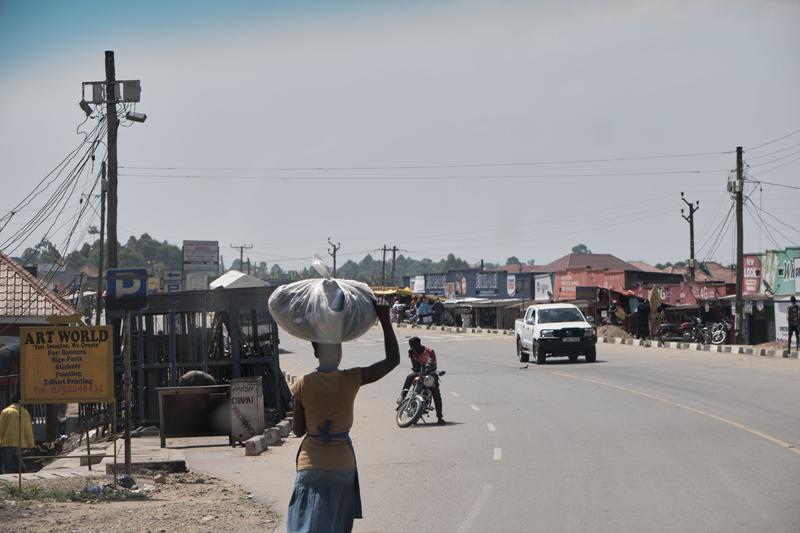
(61, 364)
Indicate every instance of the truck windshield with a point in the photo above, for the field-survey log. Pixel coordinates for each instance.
(566, 314)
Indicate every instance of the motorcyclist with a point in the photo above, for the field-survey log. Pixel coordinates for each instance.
(423, 358)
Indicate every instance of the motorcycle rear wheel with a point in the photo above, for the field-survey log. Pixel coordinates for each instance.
(719, 337)
(409, 412)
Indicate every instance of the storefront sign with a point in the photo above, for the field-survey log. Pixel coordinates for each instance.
(201, 256)
(66, 364)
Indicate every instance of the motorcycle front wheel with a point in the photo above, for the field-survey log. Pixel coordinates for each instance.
(409, 412)
(718, 337)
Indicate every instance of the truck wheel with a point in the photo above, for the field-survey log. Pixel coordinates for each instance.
(591, 355)
(539, 353)
(523, 357)
(573, 358)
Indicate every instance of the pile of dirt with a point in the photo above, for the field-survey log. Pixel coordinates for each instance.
(175, 502)
(613, 331)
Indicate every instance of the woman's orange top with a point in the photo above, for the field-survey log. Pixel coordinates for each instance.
(327, 396)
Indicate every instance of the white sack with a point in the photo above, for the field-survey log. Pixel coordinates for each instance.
(327, 311)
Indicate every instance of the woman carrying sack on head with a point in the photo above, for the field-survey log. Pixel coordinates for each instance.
(326, 495)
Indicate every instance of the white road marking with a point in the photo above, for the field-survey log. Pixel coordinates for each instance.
(498, 454)
(491, 427)
(728, 421)
(474, 407)
(468, 522)
(455, 394)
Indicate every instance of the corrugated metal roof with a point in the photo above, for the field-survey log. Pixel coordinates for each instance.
(22, 295)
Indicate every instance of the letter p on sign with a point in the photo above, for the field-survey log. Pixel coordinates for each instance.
(127, 289)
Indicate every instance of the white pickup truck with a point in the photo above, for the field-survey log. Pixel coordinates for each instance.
(554, 330)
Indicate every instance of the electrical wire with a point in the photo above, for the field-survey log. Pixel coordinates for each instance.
(427, 178)
(421, 167)
(795, 132)
(777, 184)
(774, 152)
(791, 154)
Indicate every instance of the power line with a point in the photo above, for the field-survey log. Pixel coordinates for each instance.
(795, 132)
(792, 154)
(420, 167)
(777, 184)
(774, 152)
(427, 178)
(779, 166)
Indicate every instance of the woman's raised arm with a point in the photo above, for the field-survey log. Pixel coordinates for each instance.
(376, 371)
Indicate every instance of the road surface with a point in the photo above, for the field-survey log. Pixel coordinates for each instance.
(642, 440)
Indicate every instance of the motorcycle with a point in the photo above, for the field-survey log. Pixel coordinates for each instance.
(719, 331)
(692, 331)
(417, 401)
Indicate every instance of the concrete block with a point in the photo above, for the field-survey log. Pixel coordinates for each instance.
(794, 355)
(272, 436)
(284, 428)
(693, 346)
(95, 459)
(637, 342)
(619, 340)
(725, 349)
(747, 351)
(706, 347)
(255, 445)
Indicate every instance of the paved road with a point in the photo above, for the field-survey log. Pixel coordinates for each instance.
(642, 440)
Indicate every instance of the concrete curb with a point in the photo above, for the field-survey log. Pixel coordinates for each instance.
(255, 445)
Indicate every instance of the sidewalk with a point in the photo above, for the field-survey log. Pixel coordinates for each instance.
(145, 451)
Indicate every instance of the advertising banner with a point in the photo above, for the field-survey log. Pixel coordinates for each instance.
(543, 287)
(486, 283)
(60, 364)
(450, 291)
(434, 283)
(511, 285)
(752, 274)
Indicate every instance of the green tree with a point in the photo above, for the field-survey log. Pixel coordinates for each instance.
(513, 260)
(581, 249)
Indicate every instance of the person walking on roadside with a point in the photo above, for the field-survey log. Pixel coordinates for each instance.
(793, 319)
(11, 440)
(326, 496)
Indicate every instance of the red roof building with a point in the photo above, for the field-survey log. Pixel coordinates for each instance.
(24, 300)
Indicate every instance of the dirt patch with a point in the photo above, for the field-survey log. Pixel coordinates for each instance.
(613, 331)
(180, 502)
(772, 345)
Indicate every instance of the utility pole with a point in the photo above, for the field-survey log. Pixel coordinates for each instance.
(394, 257)
(242, 248)
(738, 190)
(103, 187)
(332, 252)
(248, 266)
(383, 268)
(690, 219)
(113, 124)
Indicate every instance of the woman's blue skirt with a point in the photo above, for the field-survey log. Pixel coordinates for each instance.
(324, 501)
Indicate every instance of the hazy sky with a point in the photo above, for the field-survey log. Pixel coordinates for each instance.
(453, 87)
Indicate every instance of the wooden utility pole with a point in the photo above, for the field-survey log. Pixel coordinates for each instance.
(394, 257)
(113, 123)
(690, 219)
(242, 248)
(738, 190)
(383, 268)
(103, 187)
(332, 252)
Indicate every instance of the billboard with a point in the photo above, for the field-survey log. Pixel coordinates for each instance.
(752, 274)
(201, 256)
(61, 364)
(486, 283)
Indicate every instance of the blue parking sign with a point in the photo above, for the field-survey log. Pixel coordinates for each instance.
(126, 289)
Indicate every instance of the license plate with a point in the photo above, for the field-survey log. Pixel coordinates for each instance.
(571, 339)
